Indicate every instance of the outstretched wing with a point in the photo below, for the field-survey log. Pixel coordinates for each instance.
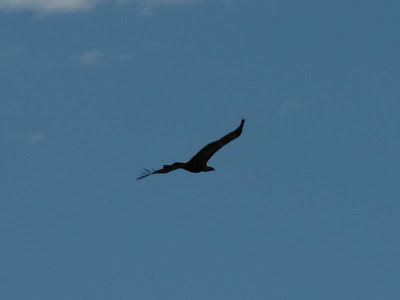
(165, 169)
(205, 154)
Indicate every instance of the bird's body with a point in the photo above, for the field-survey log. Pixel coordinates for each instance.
(198, 163)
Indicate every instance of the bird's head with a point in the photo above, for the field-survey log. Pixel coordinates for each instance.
(208, 169)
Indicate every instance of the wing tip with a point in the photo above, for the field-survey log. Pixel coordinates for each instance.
(242, 123)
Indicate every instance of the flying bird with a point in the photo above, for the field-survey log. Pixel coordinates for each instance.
(198, 163)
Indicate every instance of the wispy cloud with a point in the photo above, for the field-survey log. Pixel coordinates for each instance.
(8, 106)
(89, 57)
(48, 6)
(146, 7)
(152, 45)
(35, 138)
(121, 57)
(227, 2)
(286, 108)
(10, 53)
(100, 56)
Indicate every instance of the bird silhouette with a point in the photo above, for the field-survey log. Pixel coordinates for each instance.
(198, 163)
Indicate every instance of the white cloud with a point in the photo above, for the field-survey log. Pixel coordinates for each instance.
(51, 6)
(147, 6)
(10, 50)
(90, 57)
(10, 53)
(99, 56)
(35, 138)
(48, 6)
(288, 107)
(227, 2)
(8, 106)
(152, 45)
(122, 57)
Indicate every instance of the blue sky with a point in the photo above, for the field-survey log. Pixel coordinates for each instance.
(304, 205)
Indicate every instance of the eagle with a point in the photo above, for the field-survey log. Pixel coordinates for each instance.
(198, 163)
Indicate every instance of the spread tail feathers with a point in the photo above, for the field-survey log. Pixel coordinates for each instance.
(165, 169)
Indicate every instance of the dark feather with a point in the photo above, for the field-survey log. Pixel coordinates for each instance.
(205, 154)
